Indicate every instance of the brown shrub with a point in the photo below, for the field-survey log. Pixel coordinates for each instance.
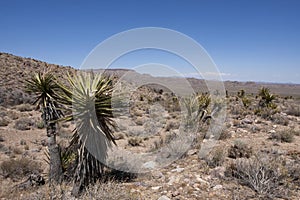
(4, 121)
(19, 168)
(283, 136)
(24, 124)
(239, 150)
(265, 175)
(135, 141)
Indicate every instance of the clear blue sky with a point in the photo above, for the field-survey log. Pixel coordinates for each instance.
(248, 40)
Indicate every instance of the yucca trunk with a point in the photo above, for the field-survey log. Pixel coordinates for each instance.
(49, 116)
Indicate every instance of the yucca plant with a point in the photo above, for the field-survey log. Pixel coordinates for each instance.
(89, 98)
(266, 98)
(45, 89)
(196, 109)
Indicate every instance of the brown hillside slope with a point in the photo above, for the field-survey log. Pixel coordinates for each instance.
(14, 70)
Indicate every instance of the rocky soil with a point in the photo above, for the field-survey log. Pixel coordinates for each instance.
(261, 144)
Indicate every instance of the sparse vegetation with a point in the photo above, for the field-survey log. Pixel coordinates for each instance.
(155, 126)
(23, 124)
(19, 168)
(283, 136)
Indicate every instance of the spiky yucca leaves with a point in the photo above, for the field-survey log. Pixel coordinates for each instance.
(45, 89)
(196, 106)
(266, 98)
(89, 97)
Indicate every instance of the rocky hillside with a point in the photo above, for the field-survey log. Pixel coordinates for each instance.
(14, 70)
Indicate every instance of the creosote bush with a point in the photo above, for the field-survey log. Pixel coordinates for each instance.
(283, 136)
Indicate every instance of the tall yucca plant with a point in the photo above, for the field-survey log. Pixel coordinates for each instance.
(89, 97)
(44, 87)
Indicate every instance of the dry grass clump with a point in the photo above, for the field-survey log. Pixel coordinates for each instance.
(19, 168)
(108, 190)
(23, 124)
(283, 136)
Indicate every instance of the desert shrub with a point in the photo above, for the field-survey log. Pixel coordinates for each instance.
(216, 157)
(293, 110)
(279, 119)
(16, 150)
(265, 175)
(135, 141)
(241, 93)
(265, 113)
(246, 102)
(239, 150)
(40, 124)
(19, 168)
(266, 98)
(225, 134)
(283, 136)
(23, 124)
(4, 121)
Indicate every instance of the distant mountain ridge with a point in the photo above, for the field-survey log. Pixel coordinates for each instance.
(15, 69)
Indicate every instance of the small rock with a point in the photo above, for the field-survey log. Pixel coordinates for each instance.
(177, 170)
(164, 197)
(156, 188)
(192, 152)
(175, 193)
(217, 187)
(157, 175)
(149, 165)
(218, 172)
(200, 180)
(272, 131)
(173, 179)
(247, 121)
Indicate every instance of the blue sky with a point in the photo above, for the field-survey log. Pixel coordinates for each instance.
(248, 40)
